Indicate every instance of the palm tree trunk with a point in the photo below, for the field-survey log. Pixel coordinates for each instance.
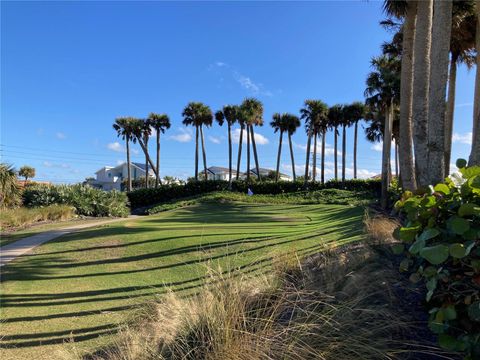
(314, 166)
(344, 150)
(452, 79)
(323, 157)
(291, 156)
(239, 152)
(278, 155)
(145, 152)
(229, 156)
(406, 96)
(129, 171)
(255, 155)
(355, 135)
(441, 31)
(146, 164)
(203, 153)
(335, 134)
(421, 74)
(387, 143)
(157, 176)
(309, 141)
(396, 160)
(475, 152)
(196, 153)
(248, 153)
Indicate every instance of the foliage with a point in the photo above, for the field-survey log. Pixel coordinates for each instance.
(27, 172)
(440, 240)
(10, 195)
(167, 193)
(86, 200)
(24, 216)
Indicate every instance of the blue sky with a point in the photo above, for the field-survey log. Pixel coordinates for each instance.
(69, 68)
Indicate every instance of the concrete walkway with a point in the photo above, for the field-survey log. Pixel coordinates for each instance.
(12, 251)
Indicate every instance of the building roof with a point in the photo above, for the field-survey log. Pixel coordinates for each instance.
(136, 164)
(264, 171)
(219, 170)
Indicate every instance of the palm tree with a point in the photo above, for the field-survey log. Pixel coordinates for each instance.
(146, 132)
(382, 92)
(462, 50)
(229, 113)
(141, 132)
(474, 158)
(441, 30)
(346, 122)
(313, 113)
(408, 10)
(123, 127)
(292, 123)
(355, 112)
(280, 125)
(159, 122)
(421, 75)
(198, 114)
(10, 193)
(252, 112)
(335, 119)
(241, 121)
(27, 172)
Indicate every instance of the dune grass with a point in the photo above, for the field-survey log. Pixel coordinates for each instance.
(82, 286)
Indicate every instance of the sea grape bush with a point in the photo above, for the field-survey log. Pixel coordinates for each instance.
(440, 241)
(167, 193)
(86, 200)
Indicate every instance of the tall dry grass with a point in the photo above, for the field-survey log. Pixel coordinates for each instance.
(19, 217)
(338, 305)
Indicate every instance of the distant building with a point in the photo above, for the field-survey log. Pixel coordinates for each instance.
(266, 172)
(221, 173)
(110, 178)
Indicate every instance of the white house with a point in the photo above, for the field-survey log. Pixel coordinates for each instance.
(221, 173)
(110, 178)
(265, 172)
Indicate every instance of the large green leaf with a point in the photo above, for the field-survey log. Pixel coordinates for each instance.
(435, 255)
(407, 234)
(458, 225)
(442, 188)
(418, 245)
(428, 234)
(468, 209)
(458, 250)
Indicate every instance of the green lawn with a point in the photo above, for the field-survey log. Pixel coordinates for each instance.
(83, 285)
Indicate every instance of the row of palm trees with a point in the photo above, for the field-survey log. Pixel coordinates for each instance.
(317, 116)
(432, 38)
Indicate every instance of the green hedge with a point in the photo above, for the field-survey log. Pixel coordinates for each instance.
(440, 241)
(86, 200)
(145, 197)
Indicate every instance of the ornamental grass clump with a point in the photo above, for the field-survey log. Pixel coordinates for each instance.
(440, 241)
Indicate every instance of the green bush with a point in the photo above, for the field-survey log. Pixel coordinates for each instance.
(168, 193)
(86, 200)
(24, 216)
(440, 240)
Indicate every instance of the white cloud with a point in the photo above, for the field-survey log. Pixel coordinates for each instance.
(214, 139)
(462, 138)
(47, 164)
(329, 150)
(115, 146)
(61, 136)
(50, 165)
(377, 146)
(464, 104)
(119, 162)
(259, 138)
(245, 81)
(184, 136)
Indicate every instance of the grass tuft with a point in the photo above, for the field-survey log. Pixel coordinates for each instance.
(19, 217)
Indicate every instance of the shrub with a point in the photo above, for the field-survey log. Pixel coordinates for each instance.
(86, 200)
(440, 240)
(167, 193)
(9, 189)
(25, 216)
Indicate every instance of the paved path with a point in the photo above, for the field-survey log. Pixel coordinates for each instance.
(11, 251)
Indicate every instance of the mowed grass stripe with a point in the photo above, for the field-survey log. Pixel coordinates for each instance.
(83, 285)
